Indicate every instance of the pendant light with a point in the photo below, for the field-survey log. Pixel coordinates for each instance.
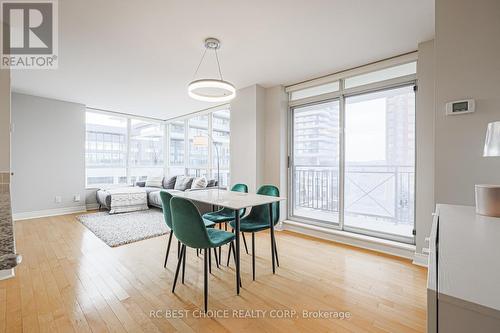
(211, 90)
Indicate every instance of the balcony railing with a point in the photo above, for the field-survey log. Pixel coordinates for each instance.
(370, 190)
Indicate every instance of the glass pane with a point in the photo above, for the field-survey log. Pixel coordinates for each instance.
(146, 150)
(316, 153)
(315, 91)
(381, 75)
(380, 161)
(176, 144)
(221, 137)
(105, 149)
(198, 154)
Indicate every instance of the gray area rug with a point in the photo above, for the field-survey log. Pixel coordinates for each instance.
(125, 228)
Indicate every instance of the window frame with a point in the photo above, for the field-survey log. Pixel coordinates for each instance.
(211, 167)
(128, 119)
(341, 95)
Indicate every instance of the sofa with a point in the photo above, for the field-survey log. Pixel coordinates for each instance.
(153, 193)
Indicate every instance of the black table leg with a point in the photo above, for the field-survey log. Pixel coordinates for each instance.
(272, 235)
(237, 254)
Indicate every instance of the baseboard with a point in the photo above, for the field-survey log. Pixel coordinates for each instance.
(92, 206)
(420, 259)
(366, 242)
(48, 212)
(6, 274)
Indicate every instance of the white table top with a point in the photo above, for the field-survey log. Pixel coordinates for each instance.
(469, 255)
(228, 199)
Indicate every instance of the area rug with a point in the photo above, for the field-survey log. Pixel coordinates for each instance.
(125, 228)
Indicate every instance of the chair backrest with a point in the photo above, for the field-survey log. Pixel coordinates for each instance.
(237, 188)
(262, 212)
(187, 224)
(240, 188)
(165, 203)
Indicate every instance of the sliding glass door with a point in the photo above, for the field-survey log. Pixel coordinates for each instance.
(316, 161)
(380, 162)
(361, 179)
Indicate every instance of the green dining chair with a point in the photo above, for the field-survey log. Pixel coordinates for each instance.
(167, 216)
(225, 215)
(189, 228)
(258, 220)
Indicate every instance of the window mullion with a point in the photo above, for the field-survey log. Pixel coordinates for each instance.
(127, 160)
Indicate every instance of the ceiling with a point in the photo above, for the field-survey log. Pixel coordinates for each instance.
(138, 56)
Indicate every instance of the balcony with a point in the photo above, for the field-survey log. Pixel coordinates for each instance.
(377, 197)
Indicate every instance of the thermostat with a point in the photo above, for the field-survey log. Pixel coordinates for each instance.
(460, 107)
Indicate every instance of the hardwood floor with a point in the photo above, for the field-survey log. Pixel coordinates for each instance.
(70, 281)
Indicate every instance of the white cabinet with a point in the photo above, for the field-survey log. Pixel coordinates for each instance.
(463, 286)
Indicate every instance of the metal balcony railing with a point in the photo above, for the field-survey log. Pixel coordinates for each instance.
(378, 191)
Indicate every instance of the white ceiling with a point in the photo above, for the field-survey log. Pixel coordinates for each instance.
(138, 56)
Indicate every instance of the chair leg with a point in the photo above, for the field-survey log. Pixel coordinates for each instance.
(168, 248)
(220, 256)
(183, 263)
(253, 255)
(216, 257)
(229, 253)
(225, 226)
(276, 253)
(244, 242)
(210, 261)
(178, 249)
(177, 270)
(205, 278)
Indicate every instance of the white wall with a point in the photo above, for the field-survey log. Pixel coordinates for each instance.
(276, 142)
(4, 120)
(467, 47)
(246, 137)
(48, 154)
(425, 108)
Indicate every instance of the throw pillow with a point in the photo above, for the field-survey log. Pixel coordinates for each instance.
(182, 183)
(169, 183)
(199, 182)
(154, 181)
(212, 183)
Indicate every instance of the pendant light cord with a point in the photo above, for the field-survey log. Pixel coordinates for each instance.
(197, 68)
(218, 64)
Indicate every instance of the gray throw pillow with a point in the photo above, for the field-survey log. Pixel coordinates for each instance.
(211, 183)
(199, 183)
(182, 183)
(169, 183)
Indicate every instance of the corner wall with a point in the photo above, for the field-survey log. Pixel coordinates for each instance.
(467, 47)
(48, 156)
(425, 109)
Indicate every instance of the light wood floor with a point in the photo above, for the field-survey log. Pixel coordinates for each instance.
(70, 281)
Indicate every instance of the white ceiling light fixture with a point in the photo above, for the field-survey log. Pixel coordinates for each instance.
(211, 90)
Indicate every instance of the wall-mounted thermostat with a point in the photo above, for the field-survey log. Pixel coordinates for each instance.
(460, 107)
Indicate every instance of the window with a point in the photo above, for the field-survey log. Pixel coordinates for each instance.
(146, 150)
(198, 155)
(176, 148)
(121, 150)
(221, 136)
(381, 75)
(316, 158)
(315, 91)
(200, 160)
(361, 180)
(380, 161)
(106, 149)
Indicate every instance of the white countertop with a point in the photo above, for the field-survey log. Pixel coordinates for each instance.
(469, 255)
(229, 199)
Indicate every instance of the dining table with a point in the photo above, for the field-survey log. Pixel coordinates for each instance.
(235, 201)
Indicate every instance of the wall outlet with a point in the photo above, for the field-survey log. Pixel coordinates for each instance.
(58, 199)
(76, 198)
